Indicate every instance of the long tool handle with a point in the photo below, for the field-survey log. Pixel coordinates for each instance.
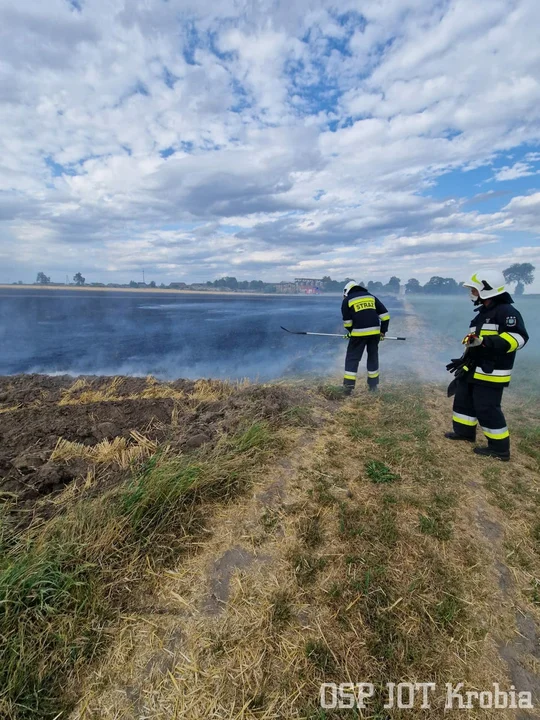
(304, 332)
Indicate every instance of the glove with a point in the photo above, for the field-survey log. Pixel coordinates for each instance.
(347, 336)
(457, 365)
(454, 364)
(472, 341)
(382, 337)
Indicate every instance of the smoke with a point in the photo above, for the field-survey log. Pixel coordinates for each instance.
(222, 336)
(227, 336)
(435, 326)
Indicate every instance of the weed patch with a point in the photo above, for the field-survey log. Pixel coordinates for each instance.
(281, 609)
(378, 472)
(319, 655)
(306, 567)
(310, 531)
(436, 525)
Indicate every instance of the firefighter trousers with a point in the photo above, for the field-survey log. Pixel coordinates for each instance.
(355, 350)
(481, 405)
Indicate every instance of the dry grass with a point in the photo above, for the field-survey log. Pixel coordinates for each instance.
(83, 392)
(119, 450)
(350, 579)
(156, 390)
(63, 581)
(213, 390)
(12, 408)
(357, 556)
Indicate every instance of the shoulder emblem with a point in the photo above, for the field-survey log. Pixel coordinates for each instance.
(511, 321)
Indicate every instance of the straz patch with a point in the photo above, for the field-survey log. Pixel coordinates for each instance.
(511, 321)
(362, 304)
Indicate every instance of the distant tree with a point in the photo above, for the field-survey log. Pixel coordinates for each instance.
(375, 286)
(393, 285)
(153, 284)
(256, 285)
(520, 273)
(441, 286)
(413, 286)
(227, 282)
(78, 279)
(434, 285)
(133, 284)
(450, 286)
(42, 279)
(329, 285)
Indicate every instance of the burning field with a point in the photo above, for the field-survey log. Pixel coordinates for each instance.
(214, 550)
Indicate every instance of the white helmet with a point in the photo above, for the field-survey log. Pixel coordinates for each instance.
(489, 283)
(348, 287)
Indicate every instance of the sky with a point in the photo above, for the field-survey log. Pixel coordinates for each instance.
(272, 139)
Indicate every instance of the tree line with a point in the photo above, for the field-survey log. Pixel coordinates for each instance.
(518, 274)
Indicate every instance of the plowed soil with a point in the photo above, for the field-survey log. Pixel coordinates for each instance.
(37, 411)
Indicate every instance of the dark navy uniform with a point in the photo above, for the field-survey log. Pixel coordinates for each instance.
(488, 371)
(365, 317)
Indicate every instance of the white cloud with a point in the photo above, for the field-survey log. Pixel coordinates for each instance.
(524, 213)
(200, 138)
(518, 170)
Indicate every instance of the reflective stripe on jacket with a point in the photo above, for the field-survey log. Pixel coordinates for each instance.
(503, 331)
(364, 314)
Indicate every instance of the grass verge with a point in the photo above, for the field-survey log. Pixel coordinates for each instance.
(62, 585)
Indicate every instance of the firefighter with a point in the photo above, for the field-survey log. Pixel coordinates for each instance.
(495, 335)
(366, 320)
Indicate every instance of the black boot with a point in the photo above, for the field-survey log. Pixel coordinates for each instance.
(490, 452)
(456, 436)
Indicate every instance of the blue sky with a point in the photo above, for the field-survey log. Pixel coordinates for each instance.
(268, 140)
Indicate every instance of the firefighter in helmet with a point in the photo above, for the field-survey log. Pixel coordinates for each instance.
(481, 374)
(366, 319)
